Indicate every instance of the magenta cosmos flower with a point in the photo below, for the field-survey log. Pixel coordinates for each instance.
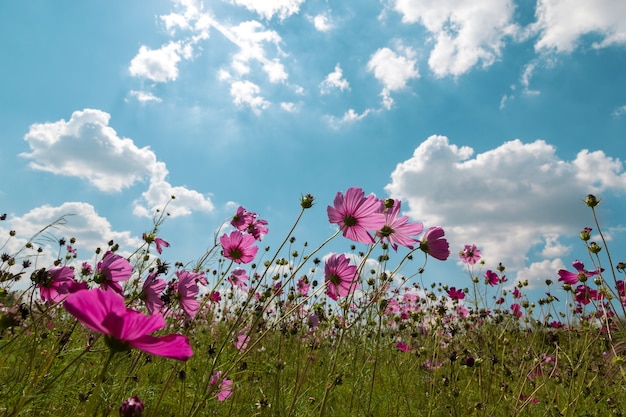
(123, 328)
(434, 244)
(152, 289)
(581, 275)
(340, 276)
(238, 247)
(455, 294)
(111, 270)
(158, 242)
(470, 254)
(220, 386)
(238, 278)
(54, 283)
(397, 230)
(188, 290)
(356, 215)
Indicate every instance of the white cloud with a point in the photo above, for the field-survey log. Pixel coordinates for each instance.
(246, 93)
(192, 19)
(87, 147)
(322, 22)
(619, 112)
(289, 107)
(505, 200)
(80, 221)
(561, 23)
(537, 273)
(270, 8)
(554, 248)
(159, 65)
(348, 117)
(391, 69)
(529, 69)
(334, 80)
(465, 33)
(144, 96)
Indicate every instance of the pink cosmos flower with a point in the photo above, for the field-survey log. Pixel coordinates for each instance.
(257, 229)
(112, 269)
(470, 254)
(222, 385)
(303, 285)
(516, 310)
(241, 340)
(238, 278)
(581, 275)
(455, 294)
(491, 278)
(158, 242)
(188, 290)
(238, 247)
(340, 276)
(54, 283)
(434, 244)
(215, 297)
(123, 328)
(402, 347)
(356, 215)
(152, 289)
(397, 230)
(242, 219)
(585, 294)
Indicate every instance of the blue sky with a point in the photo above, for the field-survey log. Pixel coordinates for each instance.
(491, 118)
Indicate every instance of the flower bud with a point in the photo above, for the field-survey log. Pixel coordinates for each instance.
(131, 407)
(591, 201)
(306, 202)
(594, 247)
(585, 234)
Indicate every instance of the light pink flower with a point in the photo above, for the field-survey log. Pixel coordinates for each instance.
(158, 242)
(152, 289)
(221, 385)
(397, 230)
(356, 215)
(188, 291)
(257, 229)
(238, 247)
(112, 269)
(241, 340)
(303, 285)
(470, 254)
(340, 276)
(242, 219)
(434, 244)
(123, 328)
(238, 278)
(54, 283)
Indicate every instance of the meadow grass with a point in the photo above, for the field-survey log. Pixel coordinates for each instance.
(279, 345)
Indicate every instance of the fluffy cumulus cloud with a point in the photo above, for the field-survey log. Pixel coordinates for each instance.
(44, 226)
(246, 93)
(334, 80)
(464, 33)
(393, 70)
(86, 147)
(513, 201)
(270, 8)
(561, 23)
(159, 65)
